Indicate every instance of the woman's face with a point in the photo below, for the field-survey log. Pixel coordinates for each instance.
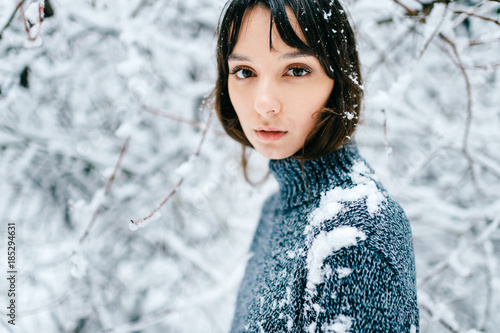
(275, 92)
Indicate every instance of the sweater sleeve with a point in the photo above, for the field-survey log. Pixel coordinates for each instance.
(360, 292)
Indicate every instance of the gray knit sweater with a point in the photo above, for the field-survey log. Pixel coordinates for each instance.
(335, 256)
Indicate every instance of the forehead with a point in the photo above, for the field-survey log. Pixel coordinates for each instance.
(256, 25)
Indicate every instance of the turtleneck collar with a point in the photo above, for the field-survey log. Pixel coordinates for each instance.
(321, 174)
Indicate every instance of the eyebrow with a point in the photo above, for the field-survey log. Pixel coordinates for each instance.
(292, 55)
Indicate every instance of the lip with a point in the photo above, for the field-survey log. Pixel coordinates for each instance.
(269, 133)
(269, 129)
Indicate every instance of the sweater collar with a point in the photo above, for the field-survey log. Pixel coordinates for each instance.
(320, 174)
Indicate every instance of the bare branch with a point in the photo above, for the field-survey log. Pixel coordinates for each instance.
(218, 291)
(476, 42)
(109, 183)
(440, 267)
(19, 5)
(388, 50)
(138, 222)
(55, 303)
(481, 67)
(408, 10)
(489, 274)
(465, 140)
(28, 25)
(434, 33)
(469, 14)
(191, 122)
(442, 321)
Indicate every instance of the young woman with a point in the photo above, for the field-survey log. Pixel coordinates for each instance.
(333, 251)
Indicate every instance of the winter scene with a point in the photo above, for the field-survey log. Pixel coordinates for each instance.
(124, 205)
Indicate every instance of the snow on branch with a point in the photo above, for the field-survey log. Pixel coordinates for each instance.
(135, 224)
(109, 183)
(19, 5)
(481, 238)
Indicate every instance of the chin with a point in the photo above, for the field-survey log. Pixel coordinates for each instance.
(274, 154)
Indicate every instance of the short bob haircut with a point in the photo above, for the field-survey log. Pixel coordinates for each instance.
(329, 37)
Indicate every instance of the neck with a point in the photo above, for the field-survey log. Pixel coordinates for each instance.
(319, 174)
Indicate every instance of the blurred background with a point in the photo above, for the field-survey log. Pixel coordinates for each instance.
(102, 117)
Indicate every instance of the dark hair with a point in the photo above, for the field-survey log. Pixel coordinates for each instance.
(330, 38)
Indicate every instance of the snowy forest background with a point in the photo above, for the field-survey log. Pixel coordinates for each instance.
(101, 118)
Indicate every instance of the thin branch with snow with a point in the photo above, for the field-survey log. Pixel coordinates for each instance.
(134, 224)
(19, 5)
(109, 183)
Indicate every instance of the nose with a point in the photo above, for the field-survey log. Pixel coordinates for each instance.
(267, 101)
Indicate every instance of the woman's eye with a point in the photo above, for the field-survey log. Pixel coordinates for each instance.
(243, 73)
(297, 71)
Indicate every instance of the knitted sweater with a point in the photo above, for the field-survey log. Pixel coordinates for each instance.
(335, 256)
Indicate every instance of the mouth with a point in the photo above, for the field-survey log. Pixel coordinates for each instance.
(270, 134)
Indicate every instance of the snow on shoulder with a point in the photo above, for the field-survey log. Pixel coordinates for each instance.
(342, 324)
(325, 244)
(332, 201)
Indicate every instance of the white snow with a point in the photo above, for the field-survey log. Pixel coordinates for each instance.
(186, 168)
(333, 201)
(343, 272)
(342, 324)
(324, 245)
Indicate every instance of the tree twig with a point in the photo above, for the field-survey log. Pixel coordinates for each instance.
(109, 183)
(440, 267)
(191, 122)
(28, 24)
(465, 140)
(218, 291)
(140, 221)
(11, 17)
(442, 321)
(434, 32)
(408, 10)
(469, 14)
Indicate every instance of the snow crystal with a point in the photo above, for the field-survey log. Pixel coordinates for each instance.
(343, 272)
(327, 15)
(323, 246)
(311, 328)
(185, 168)
(97, 200)
(132, 226)
(349, 115)
(289, 323)
(342, 324)
(354, 79)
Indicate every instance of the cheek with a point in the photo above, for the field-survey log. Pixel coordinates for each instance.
(240, 101)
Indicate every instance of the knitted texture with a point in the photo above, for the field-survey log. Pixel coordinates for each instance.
(335, 256)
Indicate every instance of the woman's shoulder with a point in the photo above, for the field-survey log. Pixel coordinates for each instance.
(362, 208)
